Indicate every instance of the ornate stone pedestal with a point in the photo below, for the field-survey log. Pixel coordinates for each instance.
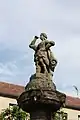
(41, 98)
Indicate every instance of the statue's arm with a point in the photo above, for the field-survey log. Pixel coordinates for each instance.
(49, 44)
(32, 44)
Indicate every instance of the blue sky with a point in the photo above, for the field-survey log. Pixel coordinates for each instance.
(20, 20)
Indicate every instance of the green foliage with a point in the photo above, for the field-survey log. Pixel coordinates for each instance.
(14, 113)
(60, 115)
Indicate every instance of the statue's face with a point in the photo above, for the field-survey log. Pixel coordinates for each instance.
(42, 37)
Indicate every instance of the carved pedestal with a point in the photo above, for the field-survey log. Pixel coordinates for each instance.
(40, 98)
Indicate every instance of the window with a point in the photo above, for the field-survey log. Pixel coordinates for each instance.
(65, 116)
(11, 104)
(78, 117)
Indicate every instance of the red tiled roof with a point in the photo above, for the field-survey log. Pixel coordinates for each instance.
(72, 101)
(12, 90)
(8, 89)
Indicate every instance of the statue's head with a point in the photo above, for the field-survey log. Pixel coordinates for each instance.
(43, 36)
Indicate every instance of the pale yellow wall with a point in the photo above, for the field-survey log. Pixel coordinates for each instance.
(4, 102)
(72, 114)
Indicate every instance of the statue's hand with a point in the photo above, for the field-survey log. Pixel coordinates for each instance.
(52, 43)
(36, 37)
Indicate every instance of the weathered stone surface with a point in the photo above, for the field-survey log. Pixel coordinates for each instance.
(40, 81)
(41, 99)
(44, 59)
(40, 115)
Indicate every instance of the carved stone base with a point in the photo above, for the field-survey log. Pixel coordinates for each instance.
(40, 81)
(41, 98)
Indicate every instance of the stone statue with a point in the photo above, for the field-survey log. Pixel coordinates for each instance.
(41, 98)
(44, 59)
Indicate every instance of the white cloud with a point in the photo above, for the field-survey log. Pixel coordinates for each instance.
(6, 69)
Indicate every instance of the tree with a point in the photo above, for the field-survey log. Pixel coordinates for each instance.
(14, 113)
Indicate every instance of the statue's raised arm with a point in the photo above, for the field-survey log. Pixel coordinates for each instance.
(32, 44)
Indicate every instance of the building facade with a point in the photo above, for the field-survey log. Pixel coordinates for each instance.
(72, 108)
(8, 94)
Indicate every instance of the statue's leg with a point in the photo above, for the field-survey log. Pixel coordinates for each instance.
(46, 62)
(43, 66)
(38, 68)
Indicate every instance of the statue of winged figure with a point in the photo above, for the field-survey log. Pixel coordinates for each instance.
(44, 59)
